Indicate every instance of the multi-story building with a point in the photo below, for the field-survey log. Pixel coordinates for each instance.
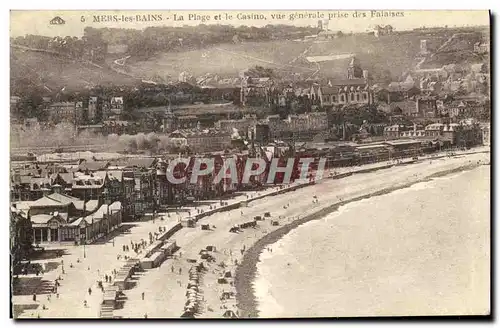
(116, 105)
(394, 131)
(143, 173)
(427, 107)
(242, 125)
(202, 140)
(92, 109)
(90, 185)
(21, 238)
(260, 133)
(302, 127)
(63, 112)
(119, 127)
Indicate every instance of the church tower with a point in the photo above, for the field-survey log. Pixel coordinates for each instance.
(354, 70)
(168, 120)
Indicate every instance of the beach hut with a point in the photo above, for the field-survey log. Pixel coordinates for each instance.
(275, 223)
(205, 227)
(222, 280)
(267, 214)
(258, 218)
(229, 314)
(188, 222)
(228, 274)
(211, 248)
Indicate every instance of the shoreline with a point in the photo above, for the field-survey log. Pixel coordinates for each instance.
(245, 274)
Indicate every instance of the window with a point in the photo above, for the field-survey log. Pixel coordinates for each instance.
(334, 98)
(342, 97)
(365, 96)
(357, 96)
(68, 234)
(352, 97)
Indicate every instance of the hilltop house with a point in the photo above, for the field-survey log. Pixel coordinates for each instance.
(382, 30)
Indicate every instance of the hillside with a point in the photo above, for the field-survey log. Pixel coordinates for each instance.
(393, 53)
(226, 59)
(459, 49)
(42, 70)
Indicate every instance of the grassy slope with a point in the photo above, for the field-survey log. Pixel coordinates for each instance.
(395, 53)
(226, 59)
(38, 69)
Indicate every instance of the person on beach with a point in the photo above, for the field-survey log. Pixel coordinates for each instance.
(142, 295)
(90, 291)
(85, 303)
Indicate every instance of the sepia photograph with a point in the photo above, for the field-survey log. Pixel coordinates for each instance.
(234, 164)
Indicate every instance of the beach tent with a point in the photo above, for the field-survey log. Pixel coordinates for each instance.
(230, 314)
(222, 280)
(188, 314)
(225, 295)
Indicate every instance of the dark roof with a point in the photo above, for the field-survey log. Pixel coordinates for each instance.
(140, 162)
(337, 88)
(400, 86)
(349, 82)
(93, 165)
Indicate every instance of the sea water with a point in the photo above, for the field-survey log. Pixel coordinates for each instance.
(422, 250)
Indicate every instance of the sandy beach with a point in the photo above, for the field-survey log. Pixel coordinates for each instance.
(165, 287)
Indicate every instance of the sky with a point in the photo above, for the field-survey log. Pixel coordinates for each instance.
(24, 22)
